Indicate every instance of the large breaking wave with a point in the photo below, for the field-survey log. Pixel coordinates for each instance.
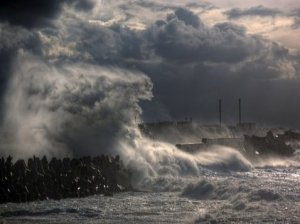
(81, 109)
(70, 109)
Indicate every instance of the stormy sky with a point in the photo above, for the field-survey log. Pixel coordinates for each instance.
(194, 52)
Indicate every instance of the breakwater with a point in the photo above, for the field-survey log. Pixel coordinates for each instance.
(40, 179)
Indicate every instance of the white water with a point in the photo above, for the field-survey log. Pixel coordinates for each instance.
(263, 195)
(219, 185)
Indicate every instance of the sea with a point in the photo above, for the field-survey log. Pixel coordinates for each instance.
(265, 193)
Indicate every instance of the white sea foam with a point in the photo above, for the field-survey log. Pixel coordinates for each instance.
(160, 165)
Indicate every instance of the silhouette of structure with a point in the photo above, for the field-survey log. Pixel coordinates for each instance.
(57, 179)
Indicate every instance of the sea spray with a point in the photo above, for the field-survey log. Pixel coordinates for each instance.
(162, 166)
(70, 109)
(279, 162)
(82, 109)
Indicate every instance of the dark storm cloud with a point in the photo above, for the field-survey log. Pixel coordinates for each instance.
(193, 65)
(193, 91)
(35, 13)
(260, 10)
(16, 18)
(201, 64)
(177, 40)
(114, 45)
(82, 4)
(180, 37)
(29, 13)
(187, 17)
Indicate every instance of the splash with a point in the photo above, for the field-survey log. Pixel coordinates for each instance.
(70, 109)
(82, 109)
(161, 166)
(276, 162)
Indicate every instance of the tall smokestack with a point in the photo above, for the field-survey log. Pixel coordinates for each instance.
(220, 112)
(240, 111)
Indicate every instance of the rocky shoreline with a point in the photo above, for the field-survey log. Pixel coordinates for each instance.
(38, 179)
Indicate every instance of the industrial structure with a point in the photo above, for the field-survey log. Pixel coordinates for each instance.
(192, 137)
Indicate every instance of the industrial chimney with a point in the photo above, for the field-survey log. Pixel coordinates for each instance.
(220, 112)
(240, 111)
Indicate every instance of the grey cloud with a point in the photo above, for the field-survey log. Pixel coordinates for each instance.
(111, 46)
(155, 6)
(230, 27)
(193, 91)
(203, 64)
(187, 17)
(172, 39)
(192, 66)
(225, 42)
(203, 5)
(35, 13)
(85, 5)
(260, 10)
